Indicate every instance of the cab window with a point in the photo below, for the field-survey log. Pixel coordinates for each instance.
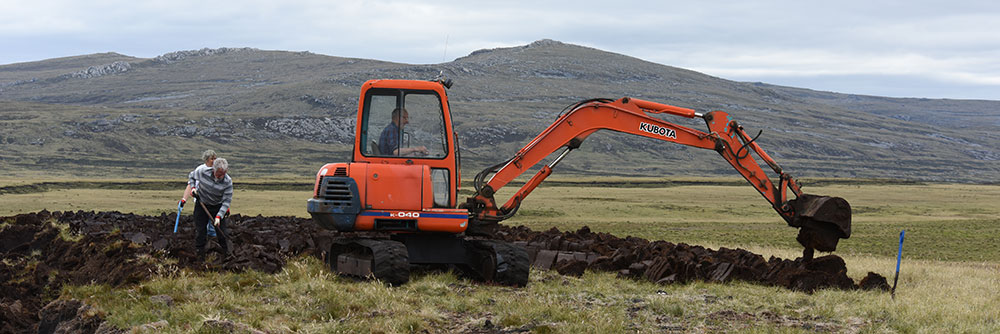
(404, 124)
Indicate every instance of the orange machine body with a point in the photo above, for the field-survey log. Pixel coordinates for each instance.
(389, 191)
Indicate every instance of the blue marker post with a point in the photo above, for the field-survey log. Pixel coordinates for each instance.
(178, 220)
(899, 257)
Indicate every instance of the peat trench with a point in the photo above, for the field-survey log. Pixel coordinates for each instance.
(124, 249)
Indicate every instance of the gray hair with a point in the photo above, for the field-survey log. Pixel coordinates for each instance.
(220, 163)
(207, 155)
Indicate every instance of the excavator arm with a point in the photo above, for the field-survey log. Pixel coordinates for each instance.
(822, 220)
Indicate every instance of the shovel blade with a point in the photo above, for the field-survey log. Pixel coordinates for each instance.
(822, 221)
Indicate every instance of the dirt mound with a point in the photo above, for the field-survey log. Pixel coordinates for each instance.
(113, 248)
(571, 253)
(258, 243)
(120, 249)
(69, 316)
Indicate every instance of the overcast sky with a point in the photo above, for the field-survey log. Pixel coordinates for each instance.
(915, 48)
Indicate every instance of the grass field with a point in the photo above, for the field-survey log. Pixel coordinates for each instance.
(950, 280)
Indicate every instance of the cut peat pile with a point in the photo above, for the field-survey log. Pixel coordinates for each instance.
(121, 249)
(113, 248)
(571, 253)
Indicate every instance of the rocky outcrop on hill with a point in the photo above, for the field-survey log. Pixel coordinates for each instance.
(181, 55)
(492, 135)
(99, 71)
(103, 124)
(535, 44)
(18, 82)
(323, 130)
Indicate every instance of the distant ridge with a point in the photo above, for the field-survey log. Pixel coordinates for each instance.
(289, 112)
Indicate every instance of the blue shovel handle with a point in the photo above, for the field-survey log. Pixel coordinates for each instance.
(899, 254)
(179, 207)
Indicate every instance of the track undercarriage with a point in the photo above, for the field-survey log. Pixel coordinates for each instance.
(391, 260)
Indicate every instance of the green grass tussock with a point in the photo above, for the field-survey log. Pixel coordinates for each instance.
(306, 298)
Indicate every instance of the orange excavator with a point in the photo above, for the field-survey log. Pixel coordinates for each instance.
(403, 180)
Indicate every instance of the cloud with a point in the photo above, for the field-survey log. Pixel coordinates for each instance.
(947, 43)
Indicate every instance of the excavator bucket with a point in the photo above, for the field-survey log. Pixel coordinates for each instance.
(822, 222)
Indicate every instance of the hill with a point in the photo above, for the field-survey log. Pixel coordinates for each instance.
(287, 113)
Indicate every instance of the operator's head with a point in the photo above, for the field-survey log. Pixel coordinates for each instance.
(400, 116)
(208, 157)
(220, 168)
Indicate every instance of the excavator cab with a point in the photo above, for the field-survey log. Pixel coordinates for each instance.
(402, 181)
(404, 172)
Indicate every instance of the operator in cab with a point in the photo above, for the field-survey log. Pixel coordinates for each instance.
(388, 141)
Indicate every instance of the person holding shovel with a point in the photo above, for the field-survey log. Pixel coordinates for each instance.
(209, 158)
(214, 190)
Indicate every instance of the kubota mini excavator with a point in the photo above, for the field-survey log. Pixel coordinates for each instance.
(404, 176)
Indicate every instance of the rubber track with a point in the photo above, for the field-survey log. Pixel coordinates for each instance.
(390, 260)
(512, 263)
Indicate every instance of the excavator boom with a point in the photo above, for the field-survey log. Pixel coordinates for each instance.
(822, 220)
